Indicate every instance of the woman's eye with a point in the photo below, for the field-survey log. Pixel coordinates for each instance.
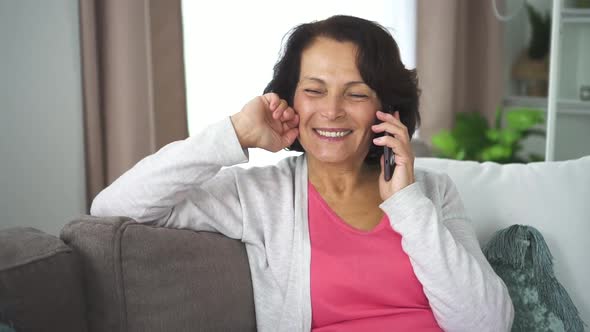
(358, 95)
(312, 91)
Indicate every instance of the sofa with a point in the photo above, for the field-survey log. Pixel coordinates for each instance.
(113, 274)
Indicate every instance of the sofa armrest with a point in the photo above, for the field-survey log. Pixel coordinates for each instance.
(147, 278)
(40, 283)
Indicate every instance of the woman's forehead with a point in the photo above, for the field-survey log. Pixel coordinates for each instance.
(326, 60)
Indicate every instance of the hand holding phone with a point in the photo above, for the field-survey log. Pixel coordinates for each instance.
(398, 160)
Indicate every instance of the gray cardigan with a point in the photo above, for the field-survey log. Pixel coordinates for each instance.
(189, 184)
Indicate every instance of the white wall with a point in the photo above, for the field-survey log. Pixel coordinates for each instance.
(41, 138)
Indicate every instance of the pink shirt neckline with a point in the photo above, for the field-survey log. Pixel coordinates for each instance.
(339, 221)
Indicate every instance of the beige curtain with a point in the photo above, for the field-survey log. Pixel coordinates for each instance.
(459, 54)
(133, 83)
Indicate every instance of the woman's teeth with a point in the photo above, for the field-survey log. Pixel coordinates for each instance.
(333, 133)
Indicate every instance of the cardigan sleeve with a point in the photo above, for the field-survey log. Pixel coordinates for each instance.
(182, 185)
(463, 290)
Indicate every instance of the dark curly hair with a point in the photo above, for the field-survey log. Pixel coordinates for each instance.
(378, 61)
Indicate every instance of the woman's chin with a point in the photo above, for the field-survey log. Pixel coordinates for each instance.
(343, 154)
(333, 158)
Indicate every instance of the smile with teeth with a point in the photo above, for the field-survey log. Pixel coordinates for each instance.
(333, 133)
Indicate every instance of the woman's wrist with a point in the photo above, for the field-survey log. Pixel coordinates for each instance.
(241, 130)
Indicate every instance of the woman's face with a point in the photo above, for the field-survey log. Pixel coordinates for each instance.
(336, 108)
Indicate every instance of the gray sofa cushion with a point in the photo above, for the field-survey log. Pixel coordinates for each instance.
(40, 283)
(146, 278)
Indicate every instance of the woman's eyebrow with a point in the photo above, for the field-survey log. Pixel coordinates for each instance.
(319, 80)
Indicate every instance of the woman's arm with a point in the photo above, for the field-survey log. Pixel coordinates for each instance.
(181, 185)
(463, 290)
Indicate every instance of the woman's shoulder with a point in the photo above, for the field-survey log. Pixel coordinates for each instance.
(283, 171)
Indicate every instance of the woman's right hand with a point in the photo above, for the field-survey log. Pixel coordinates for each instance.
(266, 122)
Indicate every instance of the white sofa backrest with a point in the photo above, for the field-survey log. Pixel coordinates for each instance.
(553, 197)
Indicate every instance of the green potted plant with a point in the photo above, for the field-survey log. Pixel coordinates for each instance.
(473, 139)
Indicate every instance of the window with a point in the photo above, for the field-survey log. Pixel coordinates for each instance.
(230, 48)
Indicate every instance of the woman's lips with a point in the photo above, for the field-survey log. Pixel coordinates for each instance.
(332, 134)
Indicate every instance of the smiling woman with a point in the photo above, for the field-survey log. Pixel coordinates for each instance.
(224, 61)
(332, 245)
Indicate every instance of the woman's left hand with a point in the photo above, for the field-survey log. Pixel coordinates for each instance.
(399, 142)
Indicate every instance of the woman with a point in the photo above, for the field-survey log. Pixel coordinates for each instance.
(331, 245)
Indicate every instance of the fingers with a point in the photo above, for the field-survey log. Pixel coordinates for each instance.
(392, 125)
(390, 118)
(285, 114)
(276, 105)
(400, 141)
(281, 110)
(395, 144)
(403, 152)
(272, 99)
(294, 121)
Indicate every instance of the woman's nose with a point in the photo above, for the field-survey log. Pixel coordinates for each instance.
(333, 108)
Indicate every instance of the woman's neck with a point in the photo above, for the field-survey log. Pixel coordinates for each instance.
(341, 180)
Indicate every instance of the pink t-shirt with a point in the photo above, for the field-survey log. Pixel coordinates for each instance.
(362, 281)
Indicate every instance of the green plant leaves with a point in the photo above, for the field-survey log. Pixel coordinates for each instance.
(468, 131)
(523, 118)
(496, 153)
(507, 136)
(448, 145)
(472, 139)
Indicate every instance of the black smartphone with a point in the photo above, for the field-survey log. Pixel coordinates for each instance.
(388, 161)
(388, 155)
